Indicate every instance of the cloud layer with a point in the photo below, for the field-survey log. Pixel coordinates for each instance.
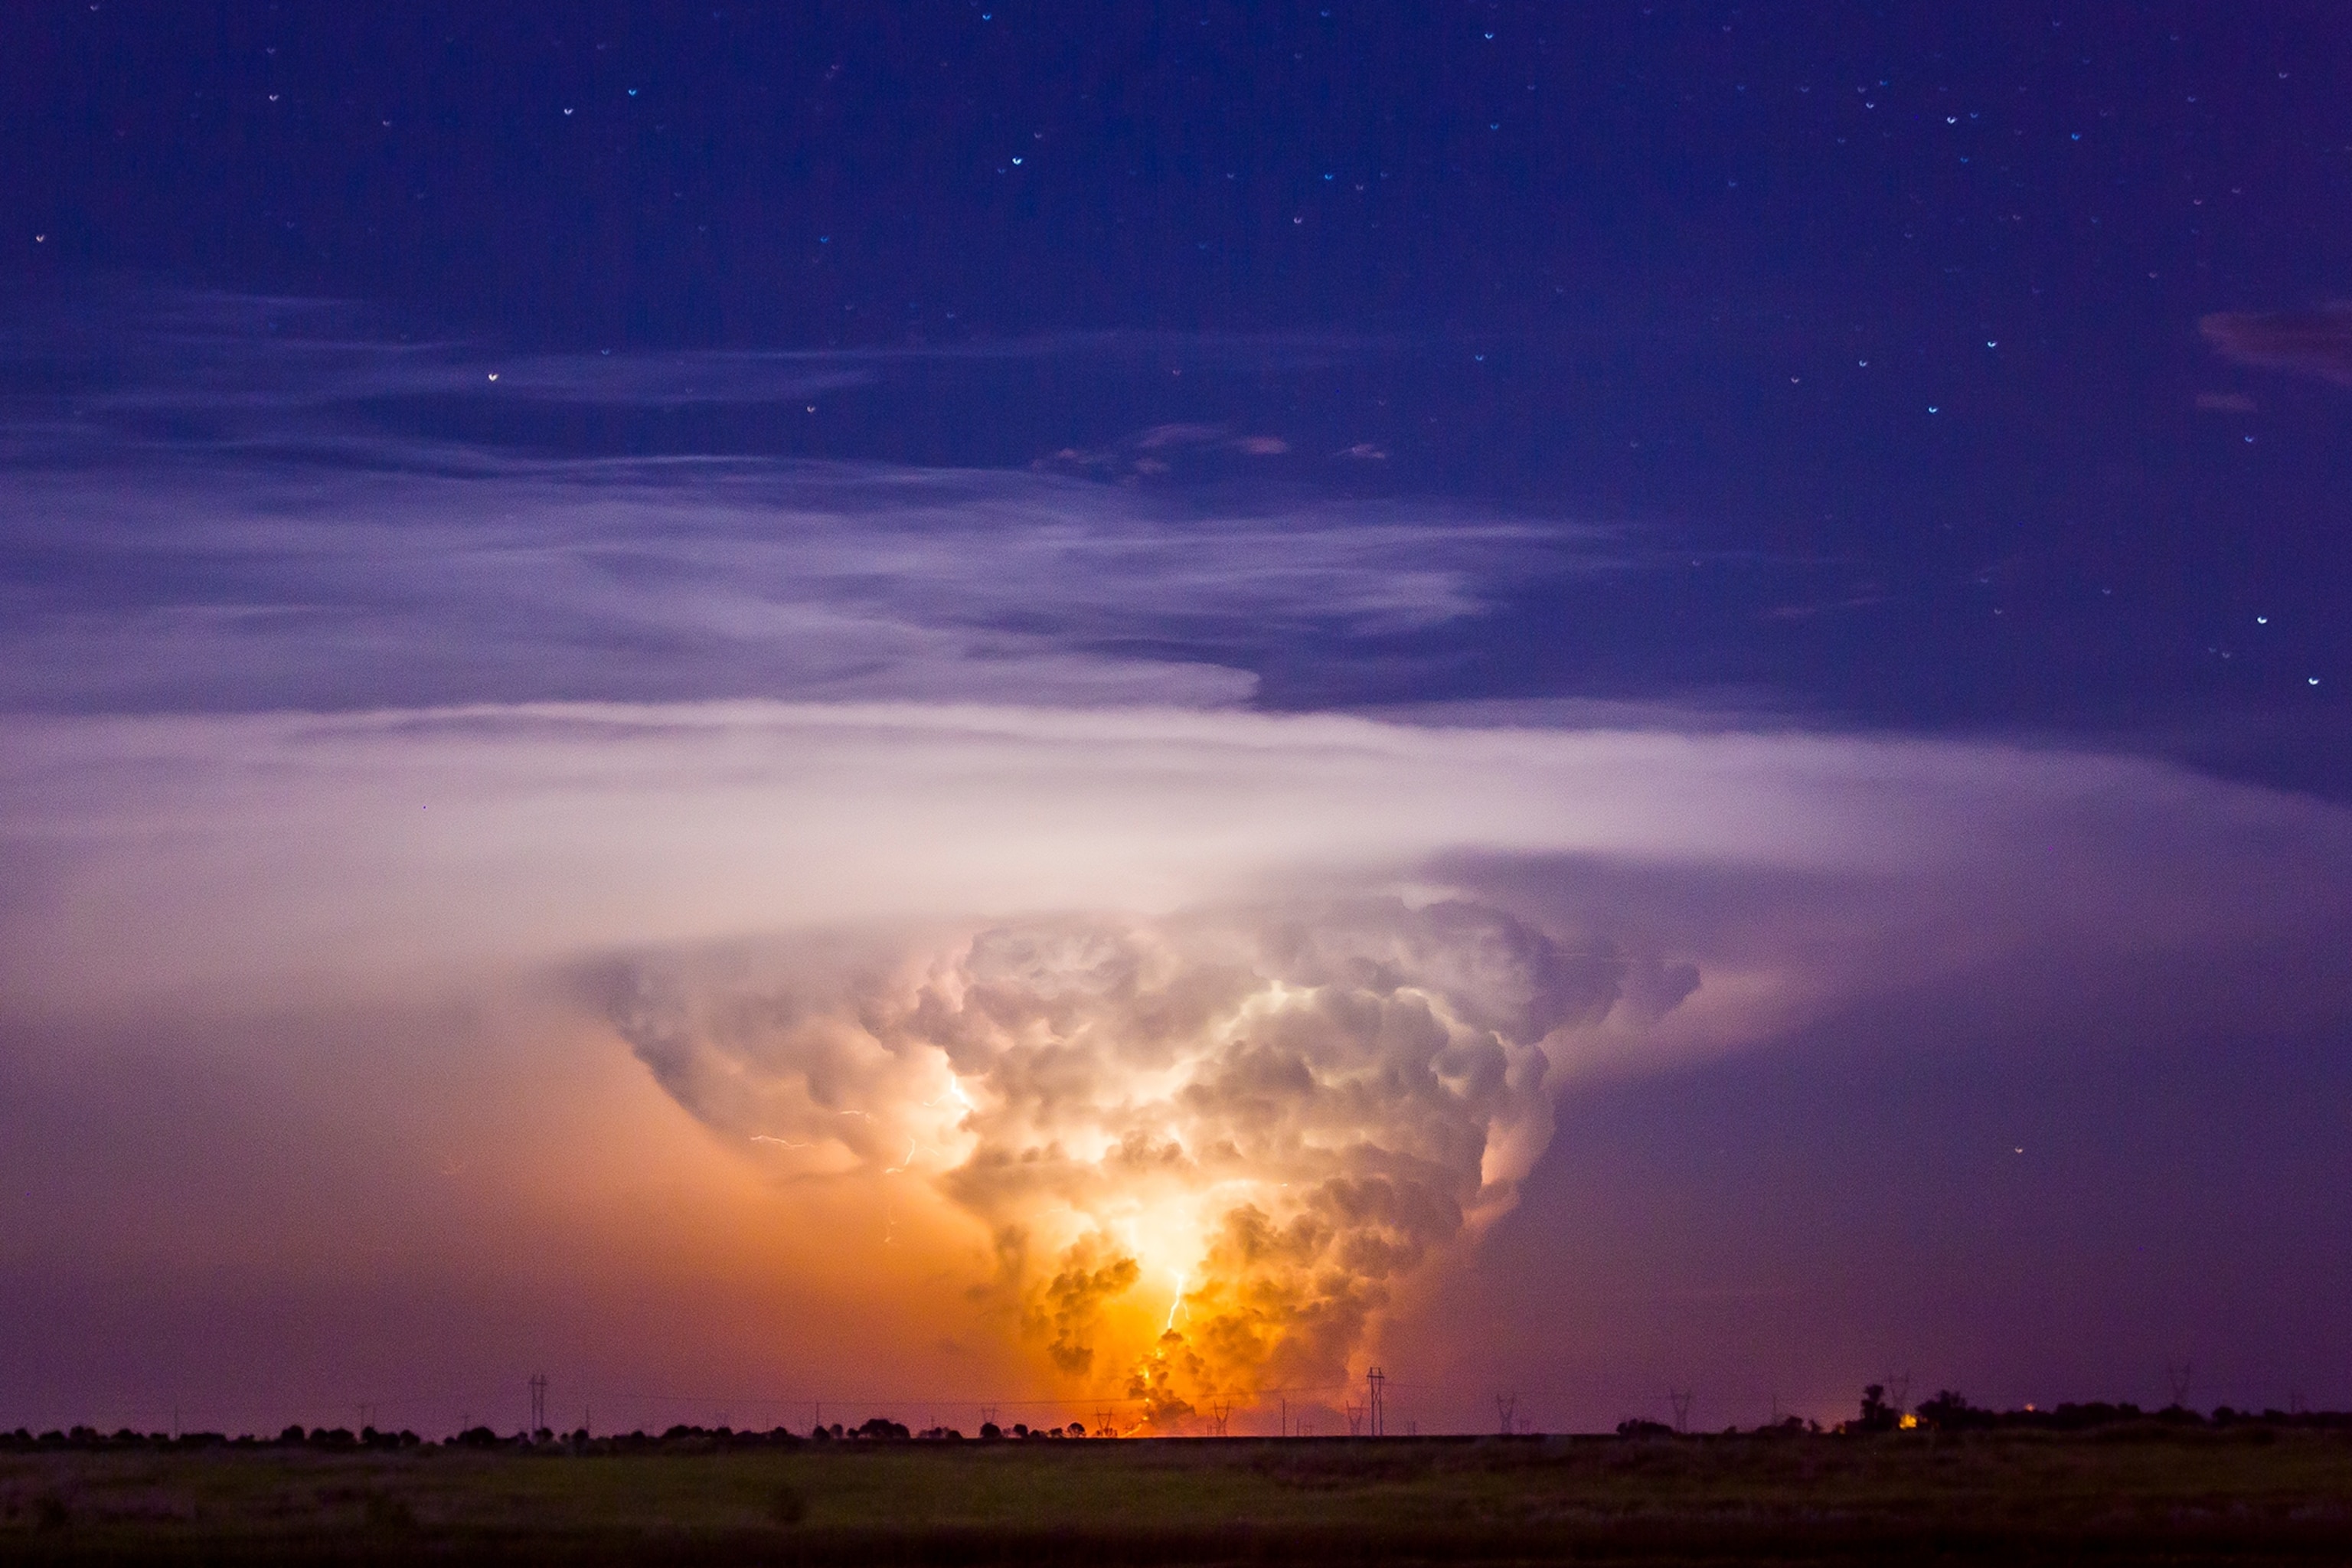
(188, 584)
(225, 502)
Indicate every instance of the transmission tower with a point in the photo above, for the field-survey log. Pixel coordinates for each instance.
(1504, 1406)
(538, 1403)
(1680, 1399)
(1374, 1384)
(1355, 1421)
(2176, 1373)
(1218, 1411)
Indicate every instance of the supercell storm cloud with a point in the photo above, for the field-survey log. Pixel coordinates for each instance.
(1205, 1148)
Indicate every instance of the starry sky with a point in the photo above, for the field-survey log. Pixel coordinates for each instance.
(1690, 660)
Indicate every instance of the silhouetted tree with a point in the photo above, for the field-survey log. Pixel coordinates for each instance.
(1877, 1414)
(1949, 1411)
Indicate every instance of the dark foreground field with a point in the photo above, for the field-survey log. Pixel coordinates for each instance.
(2119, 1495)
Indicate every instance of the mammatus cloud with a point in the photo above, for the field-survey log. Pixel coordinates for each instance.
(2315, 343)
(1205, 1148)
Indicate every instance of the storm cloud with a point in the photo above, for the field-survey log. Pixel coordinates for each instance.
(1258, 1118)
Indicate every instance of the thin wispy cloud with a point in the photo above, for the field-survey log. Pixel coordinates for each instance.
(215, 585)
(229, 357)
(201, 514)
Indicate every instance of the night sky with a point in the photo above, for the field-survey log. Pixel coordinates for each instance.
(702, 697)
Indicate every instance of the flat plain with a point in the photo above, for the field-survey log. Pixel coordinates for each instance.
(2135, 1494)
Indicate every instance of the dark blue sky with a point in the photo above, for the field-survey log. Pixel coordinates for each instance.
(1874, 333)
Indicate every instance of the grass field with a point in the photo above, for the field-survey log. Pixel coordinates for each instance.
(2137, 1495)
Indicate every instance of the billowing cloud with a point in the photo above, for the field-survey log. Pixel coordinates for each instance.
(1203, 1147)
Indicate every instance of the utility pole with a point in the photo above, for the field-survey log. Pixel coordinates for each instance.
(538, 1403)
(1504, 1406)
(1286, 1415)
(1373, 1382)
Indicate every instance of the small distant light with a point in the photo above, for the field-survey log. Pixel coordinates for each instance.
(2311, 680)
(494, 376)
(2262, 620)
(1932, 408)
